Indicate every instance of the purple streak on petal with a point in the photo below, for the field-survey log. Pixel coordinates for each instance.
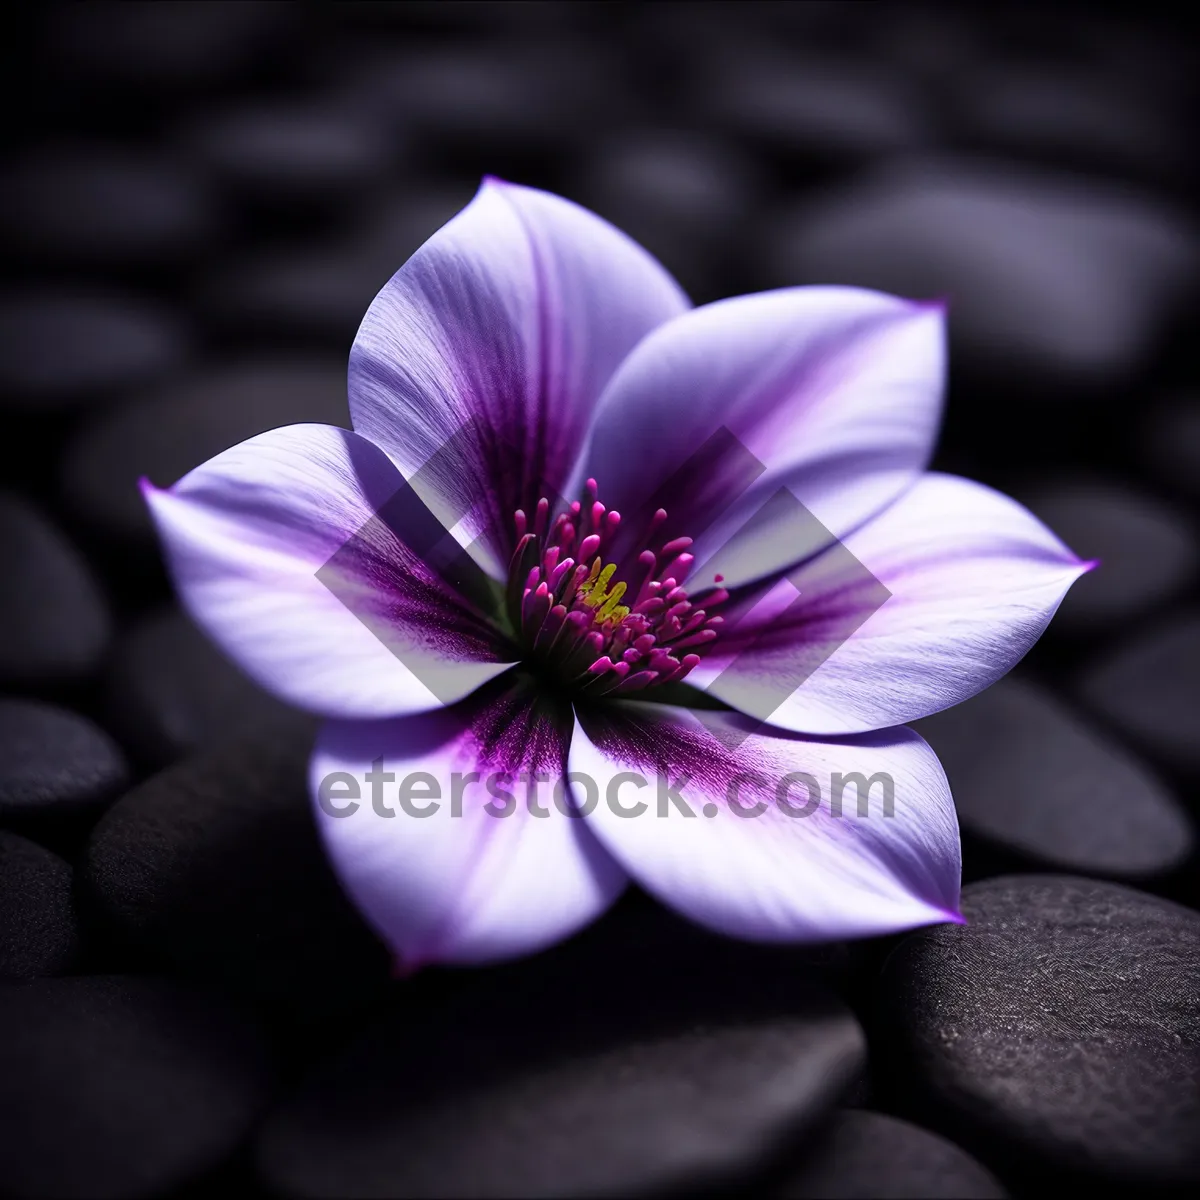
(836, 390)
(974, 579)
(775, 876)
(246, 536)
(507, 323)
(475, 887)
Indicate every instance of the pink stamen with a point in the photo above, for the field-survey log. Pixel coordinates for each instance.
(624, 638)
(672, 548)
(550, 627)
(682, 565)
(637, 681)
(556, 576)
(696, 639)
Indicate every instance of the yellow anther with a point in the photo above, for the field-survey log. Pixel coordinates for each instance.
(611, 601)
(587, 585)
(595, 591)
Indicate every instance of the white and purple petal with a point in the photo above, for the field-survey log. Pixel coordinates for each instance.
(820, 403)
(766, 854)
(304, 556)
(478, 878)
(973, 577)
(479, 364)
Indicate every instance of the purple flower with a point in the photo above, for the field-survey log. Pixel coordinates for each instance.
(556, 357)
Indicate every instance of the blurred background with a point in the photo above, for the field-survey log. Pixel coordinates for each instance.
(197, 203)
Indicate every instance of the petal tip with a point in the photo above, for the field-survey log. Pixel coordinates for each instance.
(150, 491)
(406, 968)
(934, 304)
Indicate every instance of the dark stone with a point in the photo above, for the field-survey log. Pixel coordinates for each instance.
(164, 47)
(1170, 445)
(323, 290)
(60, 349)
(473, 17)
(293, 153)
(214, 868)
(176, 428)
(557, 1077)
(1031, 778)
(1149, 688)
(1052, 282)
(871, 1154)
(936, 46)
(1147, 551)
(54, 621)
(1071, 117)
(1146, 59)
(1057, 1034)
(689, 200)
(818, 112)
(38, 932)
(121, 1087)
(532, 96)
(101, 206)
(54, 764)
(397, 226)
(171, 692)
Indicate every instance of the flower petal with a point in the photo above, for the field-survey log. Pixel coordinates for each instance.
(767, 855)
(302, 553)
(830, 396)
(483, 357)
(974, 579)
(459, 881)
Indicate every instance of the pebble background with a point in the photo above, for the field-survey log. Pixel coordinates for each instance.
(198, 200)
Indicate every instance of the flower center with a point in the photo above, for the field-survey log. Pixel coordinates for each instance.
(597, 633)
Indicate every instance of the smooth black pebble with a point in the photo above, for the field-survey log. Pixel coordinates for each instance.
(873, 1154)
(179, 426)
(114, 1086)
(170, 692)
(1148, 686)
(487, 99)
(1033, 780)
(322, 290)
(1170, 444)
(165, 47)
(101, 206)
(54, 765)
(1051, 282)
(396, 226)
(38, 931)
(293, 153)
(62, 348)
(1057, 1033)
(684, 197)
(214, 867)
(1147, 551)
(816, 112)
(296, 295)
(54, 620)
(536, 1085)
(1071, 117)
